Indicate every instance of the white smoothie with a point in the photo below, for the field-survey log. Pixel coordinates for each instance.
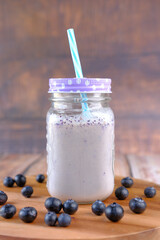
(80, 156)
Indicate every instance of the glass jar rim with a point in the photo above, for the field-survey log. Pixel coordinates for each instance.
(79, 85)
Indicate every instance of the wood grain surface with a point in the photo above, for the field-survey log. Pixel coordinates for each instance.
(146, 167)
(84, 225)
(132, 136)
(117, 39)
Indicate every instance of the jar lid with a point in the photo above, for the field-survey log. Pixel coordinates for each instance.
(89, 85)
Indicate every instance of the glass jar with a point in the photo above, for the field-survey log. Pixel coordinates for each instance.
(80, 140)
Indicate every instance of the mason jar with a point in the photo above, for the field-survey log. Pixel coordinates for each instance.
(80, 139)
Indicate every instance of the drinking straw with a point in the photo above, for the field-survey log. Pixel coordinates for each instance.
(76, 62)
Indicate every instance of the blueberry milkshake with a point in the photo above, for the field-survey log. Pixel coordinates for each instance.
(80, 144)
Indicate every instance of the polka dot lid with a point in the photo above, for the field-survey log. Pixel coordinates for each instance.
(90, 85)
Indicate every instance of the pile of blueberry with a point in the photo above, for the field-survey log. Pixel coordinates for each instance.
(54, 206)
(114, 212)
(26, 214)
(29, 214)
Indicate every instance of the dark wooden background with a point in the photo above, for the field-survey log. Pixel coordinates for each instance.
(116, 39)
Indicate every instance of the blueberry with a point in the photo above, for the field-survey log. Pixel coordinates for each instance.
(98, 207)
(3, 197)
(8, 211)
(70, 206)
(8, 182)
(40, 178)
(28, 214)
(114, 212)
(50, 218)
(137, 205)
(127, 182)
(20, 180)
(53, 204)
(64, 220)
(150, 192)
(27, 191)
(121, 193)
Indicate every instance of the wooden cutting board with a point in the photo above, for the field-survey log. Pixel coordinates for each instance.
(84, 225)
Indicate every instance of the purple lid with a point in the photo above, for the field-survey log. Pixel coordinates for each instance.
(88, 85)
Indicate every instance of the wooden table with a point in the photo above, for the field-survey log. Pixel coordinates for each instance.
(144, 167)
(137, 166)
(147, 227)
(84, 224)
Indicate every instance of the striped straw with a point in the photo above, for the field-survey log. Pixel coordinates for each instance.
(76, 63)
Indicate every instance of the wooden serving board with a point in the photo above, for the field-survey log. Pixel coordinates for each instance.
(84, 225)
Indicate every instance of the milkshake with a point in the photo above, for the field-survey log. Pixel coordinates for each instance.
(80, 145)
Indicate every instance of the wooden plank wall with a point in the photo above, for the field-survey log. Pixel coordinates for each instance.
(117, 39)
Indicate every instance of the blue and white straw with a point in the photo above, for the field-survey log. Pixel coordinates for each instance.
(76, 63)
